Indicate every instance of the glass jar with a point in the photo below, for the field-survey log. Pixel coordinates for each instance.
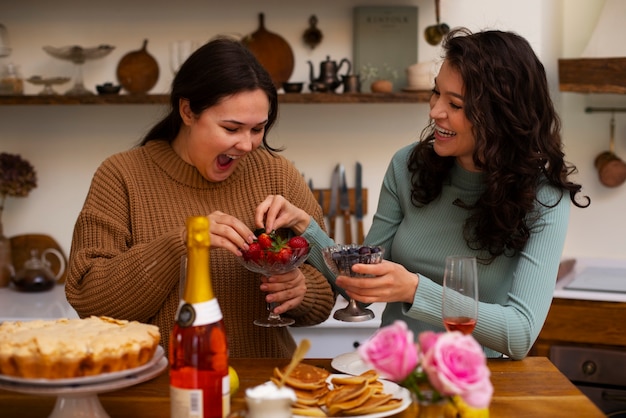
(11, 82)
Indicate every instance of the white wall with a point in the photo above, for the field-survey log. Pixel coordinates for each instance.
(66, 143)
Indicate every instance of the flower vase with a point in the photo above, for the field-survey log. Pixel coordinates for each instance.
(6, 264)
(427, 408)
(431, 410)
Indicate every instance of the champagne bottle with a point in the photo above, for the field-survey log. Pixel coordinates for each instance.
(198, 352)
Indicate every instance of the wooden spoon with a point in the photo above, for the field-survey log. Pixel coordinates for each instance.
(298, 355)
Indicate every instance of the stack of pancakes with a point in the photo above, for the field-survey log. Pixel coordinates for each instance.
(319, 396)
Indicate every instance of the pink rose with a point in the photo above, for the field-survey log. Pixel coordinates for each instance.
(391, 351)
(456, 365)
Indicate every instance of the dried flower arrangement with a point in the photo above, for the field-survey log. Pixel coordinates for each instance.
(17, 178)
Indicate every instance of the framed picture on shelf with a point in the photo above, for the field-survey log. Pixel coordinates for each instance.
(385, 43)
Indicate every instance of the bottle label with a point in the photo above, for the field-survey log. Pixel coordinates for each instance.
(186, 403)
(196, 314)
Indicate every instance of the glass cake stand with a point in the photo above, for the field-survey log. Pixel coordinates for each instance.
(78, 55)
(47, 83)
(78, 397)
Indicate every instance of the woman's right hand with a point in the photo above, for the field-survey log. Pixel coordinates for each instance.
(277, 212)
(229, 233)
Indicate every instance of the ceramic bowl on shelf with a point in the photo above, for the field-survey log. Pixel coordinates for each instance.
(108, 88)
(293, 87)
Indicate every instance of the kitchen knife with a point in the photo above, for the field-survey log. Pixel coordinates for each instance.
(344, 205)
(334, 198)
(358, 203)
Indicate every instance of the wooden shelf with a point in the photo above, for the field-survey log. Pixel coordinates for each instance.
(593, 75)
(297, 98)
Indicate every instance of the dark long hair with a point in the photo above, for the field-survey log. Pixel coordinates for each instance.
(518, 141)
(220, 68)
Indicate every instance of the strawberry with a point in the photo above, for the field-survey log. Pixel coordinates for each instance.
(254, 252)
(298, 242)
(265, 240)
(283, 256)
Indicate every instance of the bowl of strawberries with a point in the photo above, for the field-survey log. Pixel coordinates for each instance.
(275, 252)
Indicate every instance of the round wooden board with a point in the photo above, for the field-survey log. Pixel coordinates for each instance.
(272, 51)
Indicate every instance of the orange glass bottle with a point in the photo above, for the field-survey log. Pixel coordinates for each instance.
(198, 352)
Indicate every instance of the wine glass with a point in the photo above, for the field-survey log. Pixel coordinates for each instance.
(180, 51)
(340, 259)
(460, 294)
(268, 266)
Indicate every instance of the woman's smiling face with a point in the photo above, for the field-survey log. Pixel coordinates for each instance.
(216, 140)
(453, 131)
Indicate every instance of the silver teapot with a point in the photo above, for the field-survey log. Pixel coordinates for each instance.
(329, 75)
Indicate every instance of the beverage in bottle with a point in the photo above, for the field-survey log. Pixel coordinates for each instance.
(198, 352)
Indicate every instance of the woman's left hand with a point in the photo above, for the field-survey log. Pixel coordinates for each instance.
(277, 212)
(286, 290)
(392, 283)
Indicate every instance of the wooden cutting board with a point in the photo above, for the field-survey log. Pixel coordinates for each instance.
(272, 51)
(21, 246)
(138, 71)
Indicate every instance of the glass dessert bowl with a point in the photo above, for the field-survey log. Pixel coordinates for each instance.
(340, 258)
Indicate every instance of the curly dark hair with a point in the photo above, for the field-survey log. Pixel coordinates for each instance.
(518, 141)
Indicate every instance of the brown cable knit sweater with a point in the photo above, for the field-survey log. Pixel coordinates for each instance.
(128, 243)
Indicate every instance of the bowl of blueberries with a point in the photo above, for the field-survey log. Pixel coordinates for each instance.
(341, 257)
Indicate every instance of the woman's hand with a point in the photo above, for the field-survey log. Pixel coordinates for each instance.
(286, 290)
(277, 212)
(229, 233)
(392, 283)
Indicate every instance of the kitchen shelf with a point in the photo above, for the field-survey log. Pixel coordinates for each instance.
(149, 99)
(593, 75)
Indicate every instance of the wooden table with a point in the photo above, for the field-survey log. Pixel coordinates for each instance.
(530, 388)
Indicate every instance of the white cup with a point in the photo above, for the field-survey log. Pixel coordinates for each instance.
(420, 76)
(267, 401)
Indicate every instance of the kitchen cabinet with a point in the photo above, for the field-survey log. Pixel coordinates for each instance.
(292, 98)
(332, 337)
(583, 323)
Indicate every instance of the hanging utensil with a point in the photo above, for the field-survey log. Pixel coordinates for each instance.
(312, 36)
(358, 197)
(611, 168)
(435, 33)
(344, 205)
(334, 200)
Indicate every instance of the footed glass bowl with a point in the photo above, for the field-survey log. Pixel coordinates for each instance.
(268, 263)
(340, 258)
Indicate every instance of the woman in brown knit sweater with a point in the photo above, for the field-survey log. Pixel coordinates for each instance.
(208, 156)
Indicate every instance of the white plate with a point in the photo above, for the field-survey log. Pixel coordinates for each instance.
(86, 390)
(388, 387)
(86, 380)
(349, 363)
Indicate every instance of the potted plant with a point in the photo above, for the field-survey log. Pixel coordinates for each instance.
(381, 79)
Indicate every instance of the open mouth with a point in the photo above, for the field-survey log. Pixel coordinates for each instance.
(224, 160)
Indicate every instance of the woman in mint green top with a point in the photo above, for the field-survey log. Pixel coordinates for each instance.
(488, 179)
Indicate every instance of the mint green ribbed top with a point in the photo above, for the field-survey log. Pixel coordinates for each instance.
(515, 292)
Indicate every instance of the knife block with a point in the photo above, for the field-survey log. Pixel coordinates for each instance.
(351, 197)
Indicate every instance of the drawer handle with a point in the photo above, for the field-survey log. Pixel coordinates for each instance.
(606, 396)
(589, 368)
